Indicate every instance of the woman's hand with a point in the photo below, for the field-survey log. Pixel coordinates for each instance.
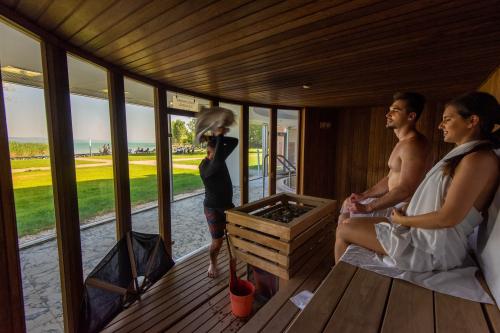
(397, 216)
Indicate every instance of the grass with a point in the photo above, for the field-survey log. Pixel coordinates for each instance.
(38, 163)
(95, 193)
(95, 188)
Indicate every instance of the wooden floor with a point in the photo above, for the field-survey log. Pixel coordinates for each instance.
(184, 300)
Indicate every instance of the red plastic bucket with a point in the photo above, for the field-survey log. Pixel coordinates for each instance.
(242, 298)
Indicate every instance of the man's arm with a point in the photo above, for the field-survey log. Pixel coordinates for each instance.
(413, 167)
(376, 191)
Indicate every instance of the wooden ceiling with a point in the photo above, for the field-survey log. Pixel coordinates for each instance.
(348, 52)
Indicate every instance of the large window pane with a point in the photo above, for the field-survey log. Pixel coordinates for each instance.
(21, 63)
(142, 156)
(93, 155)
(258, 153)
(287, 150)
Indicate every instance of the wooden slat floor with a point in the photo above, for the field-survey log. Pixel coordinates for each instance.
(184, 300)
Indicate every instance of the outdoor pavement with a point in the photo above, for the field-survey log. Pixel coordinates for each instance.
(40, 268)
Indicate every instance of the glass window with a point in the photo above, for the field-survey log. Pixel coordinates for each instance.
(21, 67)
(258, 153)
(287, 150)
(93, 156)
(141, 142)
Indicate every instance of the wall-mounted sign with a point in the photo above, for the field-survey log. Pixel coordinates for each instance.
(185, 103)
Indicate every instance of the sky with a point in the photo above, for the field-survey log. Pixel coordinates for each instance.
(25, 108)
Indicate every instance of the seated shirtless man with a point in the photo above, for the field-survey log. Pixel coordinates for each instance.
(409, 161)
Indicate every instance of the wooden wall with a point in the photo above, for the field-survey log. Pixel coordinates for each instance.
(351, 154)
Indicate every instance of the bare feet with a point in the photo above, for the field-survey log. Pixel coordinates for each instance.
(212, 271)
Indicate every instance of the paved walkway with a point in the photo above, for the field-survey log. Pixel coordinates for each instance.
(40, 266)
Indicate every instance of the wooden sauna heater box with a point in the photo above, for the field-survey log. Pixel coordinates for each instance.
(280, 233)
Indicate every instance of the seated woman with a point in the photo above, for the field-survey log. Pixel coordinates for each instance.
(448, 204)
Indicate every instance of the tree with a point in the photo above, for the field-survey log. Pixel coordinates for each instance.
(179, 131)
(191, 125)
(255, 136)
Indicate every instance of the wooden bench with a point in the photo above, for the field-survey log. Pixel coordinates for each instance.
(352, 299)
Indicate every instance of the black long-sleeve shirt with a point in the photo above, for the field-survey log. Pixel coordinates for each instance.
(215, 175)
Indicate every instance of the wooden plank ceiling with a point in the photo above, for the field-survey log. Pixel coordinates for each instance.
(348, 52)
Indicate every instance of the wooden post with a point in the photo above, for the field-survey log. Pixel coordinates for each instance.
(62, 161)
(244, 154)
(163, 166)
(273, 139)
(215, 102)
(120, 153)
(11, 288)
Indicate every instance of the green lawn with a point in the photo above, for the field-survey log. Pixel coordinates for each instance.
(95, 193)
(38, 163)
(95, 188)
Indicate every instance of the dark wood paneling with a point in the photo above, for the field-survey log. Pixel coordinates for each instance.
(60, 134)
(163, 166)
(120, 153)
(11, 293)
(273, 142)
(319, 153)
(244, 125)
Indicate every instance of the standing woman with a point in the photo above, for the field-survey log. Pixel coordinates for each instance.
(218, 190)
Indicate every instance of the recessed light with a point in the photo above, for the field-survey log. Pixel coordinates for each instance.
(306, 86)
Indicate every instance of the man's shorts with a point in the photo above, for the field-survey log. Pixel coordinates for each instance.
(216, 220)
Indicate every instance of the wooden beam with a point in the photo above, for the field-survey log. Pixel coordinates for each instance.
(62, 161)
(273, 143)
(244, 154)
(163, 166)
(118, 117)
(11, 288)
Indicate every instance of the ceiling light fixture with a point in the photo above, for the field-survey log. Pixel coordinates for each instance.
(20, 71)
(306, 86)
